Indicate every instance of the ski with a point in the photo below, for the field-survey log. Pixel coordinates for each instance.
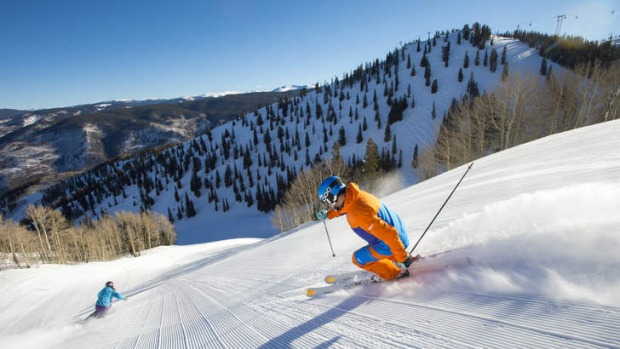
(317, 291)
(347, 276)
(420, 264)
(360, 277)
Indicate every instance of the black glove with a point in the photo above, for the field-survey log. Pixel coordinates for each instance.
(407, 262)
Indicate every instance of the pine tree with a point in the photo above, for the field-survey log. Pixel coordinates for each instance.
(472, 88)
(505, 72)
(434, 86)
(427, 74)
(395, 114)
(445, 54)
(228, 181)
(195, 184)
(318, 111)
(423, 61)
(360, 138)
(493, 61)
(543, 67)
(189, 207)
(466, 60)
(394, 146)
(370, 168)
(375, 100)
(388, 133)
(460, 77)
(342, 139)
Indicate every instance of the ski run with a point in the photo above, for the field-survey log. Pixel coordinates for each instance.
(540, 222)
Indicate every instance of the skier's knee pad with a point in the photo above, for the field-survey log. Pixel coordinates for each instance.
(363, 256)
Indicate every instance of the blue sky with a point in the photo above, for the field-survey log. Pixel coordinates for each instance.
(65, 52)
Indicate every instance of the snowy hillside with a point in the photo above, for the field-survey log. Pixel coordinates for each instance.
(282, 140)
(539, 221)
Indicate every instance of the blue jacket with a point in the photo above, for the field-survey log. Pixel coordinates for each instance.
(104, 298)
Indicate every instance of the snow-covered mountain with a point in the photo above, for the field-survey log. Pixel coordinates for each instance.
(540, 222)
(286, 88)
(44, 143)
(272, 144)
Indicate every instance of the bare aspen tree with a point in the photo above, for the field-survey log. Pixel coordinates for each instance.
(584, 97)
(300, 201)
(17, 245)
(147, 229)
(428, 164)
(56, 241)
(611, 95)
(511, 105)
(605, 97)
(57, 224)
(8, 245)
(75, 245)
(479, 124)
(165, 230)
(38, 215)
(445, 144)
(128, 233)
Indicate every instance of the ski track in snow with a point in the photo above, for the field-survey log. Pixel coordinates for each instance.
(211, 309)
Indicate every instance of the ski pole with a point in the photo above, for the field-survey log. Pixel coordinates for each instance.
(442, 206)
(328, 239)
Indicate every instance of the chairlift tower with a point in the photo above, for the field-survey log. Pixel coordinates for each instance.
(558, 27)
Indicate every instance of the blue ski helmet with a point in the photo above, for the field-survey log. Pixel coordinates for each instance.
(329, 190)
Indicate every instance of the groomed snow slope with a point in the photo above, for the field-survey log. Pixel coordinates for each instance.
(541, 223)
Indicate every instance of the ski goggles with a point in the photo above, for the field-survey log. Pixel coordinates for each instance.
(328, 198)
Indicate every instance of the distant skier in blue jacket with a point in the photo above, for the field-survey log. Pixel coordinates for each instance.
(104, 300)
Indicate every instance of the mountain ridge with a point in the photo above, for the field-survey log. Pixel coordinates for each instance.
(44, 143)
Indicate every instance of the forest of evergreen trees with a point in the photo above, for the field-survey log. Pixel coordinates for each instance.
(569, 51)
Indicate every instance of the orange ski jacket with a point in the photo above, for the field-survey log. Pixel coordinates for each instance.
(373, 221)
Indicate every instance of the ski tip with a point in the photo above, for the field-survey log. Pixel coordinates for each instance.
(330, 279)
(310, 292)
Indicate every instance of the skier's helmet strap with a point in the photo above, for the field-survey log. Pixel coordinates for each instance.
(329, 190)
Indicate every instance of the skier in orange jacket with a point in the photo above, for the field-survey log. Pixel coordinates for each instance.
(386, 254)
